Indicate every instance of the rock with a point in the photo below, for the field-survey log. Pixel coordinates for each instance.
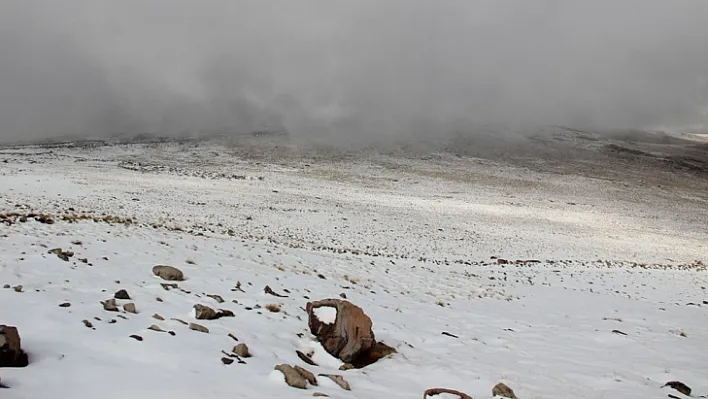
(167, 286)
(110, 305)
(232, 336)
(339, 380)
(203, 312)
(217, 298)
(320, 394)
(306, 375)
(179, 321)
(273, 308)
(270, 291)
(3, 385)
(155, 327)
(17, 288)
(679, 386)
(438, 391)
(11, 353)
(242, 350)
(227, 360)
(346, 366)
(136, 337)
(6, 286)
(349, 336)
(121, 294)
(158, 317)
(502, 390)
(61, 254)
(169, 273)
(198, 327)
(64, 305)
(305, 358)
(130, 307)
(292, 377)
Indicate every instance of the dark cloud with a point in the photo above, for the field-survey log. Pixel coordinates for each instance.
(354, 70)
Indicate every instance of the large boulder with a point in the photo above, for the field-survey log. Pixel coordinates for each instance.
(349, 337)
(11, 353)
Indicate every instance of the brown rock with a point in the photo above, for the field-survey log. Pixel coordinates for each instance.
(227, 360)
(110, 305)
(292, 377)
(379, 351)
(305, 358)
(88, 324)
(306, 375)
(339, 380)
(242, 350)
(320, 394)
(155, 327)
(346, 366)
(270, 291)
(121, 294)
(158, 317)
(679, 386)
(349, 336)
(202, 312)
(438, 391)
(17, 288)
(11, 353)
(502, 390)
(169, 273)
(198, 327)
(130, 307)
(217, 298)
(136, 337)
(179, 321)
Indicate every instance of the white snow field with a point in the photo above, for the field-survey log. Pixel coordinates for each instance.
(615, 307)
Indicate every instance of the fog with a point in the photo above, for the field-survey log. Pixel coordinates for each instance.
(348, 70)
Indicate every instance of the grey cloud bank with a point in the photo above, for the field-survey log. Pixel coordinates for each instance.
(354, 70)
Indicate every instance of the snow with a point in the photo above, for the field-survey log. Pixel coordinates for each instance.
(326, 315)
(395, 241)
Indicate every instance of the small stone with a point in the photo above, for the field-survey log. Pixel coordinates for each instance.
(172, 333)
(217, 298)
(232, 336)
(292, 377)
(339, 380)
(136, 337)
(6, 286)
(241, 350)
(202, 312)
(158, 317)
(270, 291)
(679, 386)
(343, 295)
(346, 366)
(227, 360)
(88, 324)
(306, 375)
(130, 307)
(305, 358)
(158, 299)
(121, 294)
(503, 390)
(198, 327)
(169, 273)
(179, 320)
(17, 288)
(110, 305)
(168, 287)
(64, 305)
(155, 327)
(320, 394)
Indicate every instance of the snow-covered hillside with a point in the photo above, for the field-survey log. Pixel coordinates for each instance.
(609, 300)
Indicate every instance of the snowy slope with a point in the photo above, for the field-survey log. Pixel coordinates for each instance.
(414, 251)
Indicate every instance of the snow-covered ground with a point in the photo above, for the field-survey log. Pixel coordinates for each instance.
(412, 242)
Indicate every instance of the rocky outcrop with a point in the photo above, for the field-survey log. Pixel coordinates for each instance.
(438, 391)
(11, 353)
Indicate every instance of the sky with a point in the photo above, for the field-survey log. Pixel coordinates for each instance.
(354, 70)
